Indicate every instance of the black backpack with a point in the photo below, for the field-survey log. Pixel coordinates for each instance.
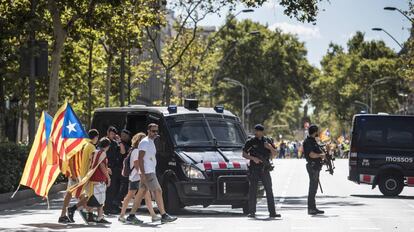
(126, 170)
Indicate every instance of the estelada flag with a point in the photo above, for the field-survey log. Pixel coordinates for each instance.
(325, 135)
(85, 186)
(38, 174)
(67, 136)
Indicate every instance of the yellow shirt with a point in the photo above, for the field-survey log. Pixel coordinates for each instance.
(87, 153)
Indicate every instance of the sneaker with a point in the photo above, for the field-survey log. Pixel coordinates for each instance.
(132, 219)
(320, 211)
(84, 216)
(64, 220)
(312, 212)
(91, 218)
(103, 221)
(167, 218)
(71, 213)
(122, 219)
(251, 215)
(155, 218)
(276, 215)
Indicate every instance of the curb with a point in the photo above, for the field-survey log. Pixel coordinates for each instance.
(27, 196)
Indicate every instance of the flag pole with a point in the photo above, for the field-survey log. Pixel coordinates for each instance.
(12, 196)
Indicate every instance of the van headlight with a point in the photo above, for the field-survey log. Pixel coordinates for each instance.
(192, 172)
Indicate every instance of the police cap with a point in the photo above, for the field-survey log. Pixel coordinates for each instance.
(312, 129)
(259, 127)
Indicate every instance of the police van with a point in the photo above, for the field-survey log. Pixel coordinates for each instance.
(382, 152)
(199, 151)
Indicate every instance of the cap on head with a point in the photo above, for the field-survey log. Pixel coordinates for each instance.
(259, 127)
(312, 129)
(125, 131)
(112, 129)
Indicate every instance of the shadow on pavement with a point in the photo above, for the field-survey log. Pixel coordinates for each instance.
(382, 196)
(300, 202)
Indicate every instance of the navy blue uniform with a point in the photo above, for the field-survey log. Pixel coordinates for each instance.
(313, 167)
(256, 147)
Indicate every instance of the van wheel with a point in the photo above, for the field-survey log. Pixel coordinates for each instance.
(391, 185)
(172, 200)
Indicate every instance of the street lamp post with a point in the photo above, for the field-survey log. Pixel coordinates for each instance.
(248, 110)
(396, 9)
(363, 104)
(243, 87)
(371, 87)
(392, 37)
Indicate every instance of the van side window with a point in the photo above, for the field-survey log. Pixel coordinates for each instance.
(373, 136)
(102, 121)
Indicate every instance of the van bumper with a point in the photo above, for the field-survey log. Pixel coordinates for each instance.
(226, 190)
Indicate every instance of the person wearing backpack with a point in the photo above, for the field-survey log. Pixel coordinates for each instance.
(131, 170)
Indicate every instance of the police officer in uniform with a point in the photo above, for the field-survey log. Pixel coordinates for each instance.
(314, 157)
(259, 150)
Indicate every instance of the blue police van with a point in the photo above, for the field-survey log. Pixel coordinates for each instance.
(382, 152)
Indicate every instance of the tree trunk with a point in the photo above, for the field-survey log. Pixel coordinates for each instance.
(167, 87)
(90, 84)
(108, 77)
(59, 36)
(129, 76)
(122, 79)
(2, 110)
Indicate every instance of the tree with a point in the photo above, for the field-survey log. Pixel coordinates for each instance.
(349, 76)
(272, 65)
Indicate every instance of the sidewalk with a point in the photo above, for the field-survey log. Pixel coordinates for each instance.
(28, 197)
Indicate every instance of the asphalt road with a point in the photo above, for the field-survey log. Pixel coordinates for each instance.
(348, 207)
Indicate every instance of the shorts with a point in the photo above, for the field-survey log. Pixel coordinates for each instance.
(99, 195)
(133, 185)
(71, 183)
(151, 183)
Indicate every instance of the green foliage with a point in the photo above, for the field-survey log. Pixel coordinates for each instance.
(12, 158)
(347, 77)
(271, 64)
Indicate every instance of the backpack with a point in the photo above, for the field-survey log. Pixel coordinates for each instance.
(126, 170)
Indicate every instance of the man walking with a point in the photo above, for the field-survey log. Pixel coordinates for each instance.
(259, 150)
(147, 166)
(314, 157)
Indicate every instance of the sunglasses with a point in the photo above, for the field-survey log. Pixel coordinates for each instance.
(154, 131)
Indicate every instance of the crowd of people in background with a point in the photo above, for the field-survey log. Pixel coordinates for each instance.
(294, 150)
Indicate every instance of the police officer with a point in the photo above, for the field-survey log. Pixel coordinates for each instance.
(259, 150)
(314, 157)
(115, 165)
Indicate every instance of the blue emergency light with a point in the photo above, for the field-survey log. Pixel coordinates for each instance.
(219, 109)
(172, 109)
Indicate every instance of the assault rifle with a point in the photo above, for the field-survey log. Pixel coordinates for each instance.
(329, 159)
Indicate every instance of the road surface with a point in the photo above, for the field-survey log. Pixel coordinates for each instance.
(348, 207)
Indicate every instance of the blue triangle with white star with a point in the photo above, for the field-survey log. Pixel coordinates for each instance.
(72, 127)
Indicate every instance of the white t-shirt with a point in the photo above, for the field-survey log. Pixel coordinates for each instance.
(150, 161)
(134, 175)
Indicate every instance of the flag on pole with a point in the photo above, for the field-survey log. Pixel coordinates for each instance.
(38, 174)
(325, 135)
(67, 136)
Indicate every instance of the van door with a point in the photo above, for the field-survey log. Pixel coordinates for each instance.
(102, 120)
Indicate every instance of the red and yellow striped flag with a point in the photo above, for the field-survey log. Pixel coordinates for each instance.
(38, 174)
(67, 136)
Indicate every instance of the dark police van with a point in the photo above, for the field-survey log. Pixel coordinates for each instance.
(199, 151)
(382, 152)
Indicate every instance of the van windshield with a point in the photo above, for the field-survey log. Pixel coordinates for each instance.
(202, 132)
